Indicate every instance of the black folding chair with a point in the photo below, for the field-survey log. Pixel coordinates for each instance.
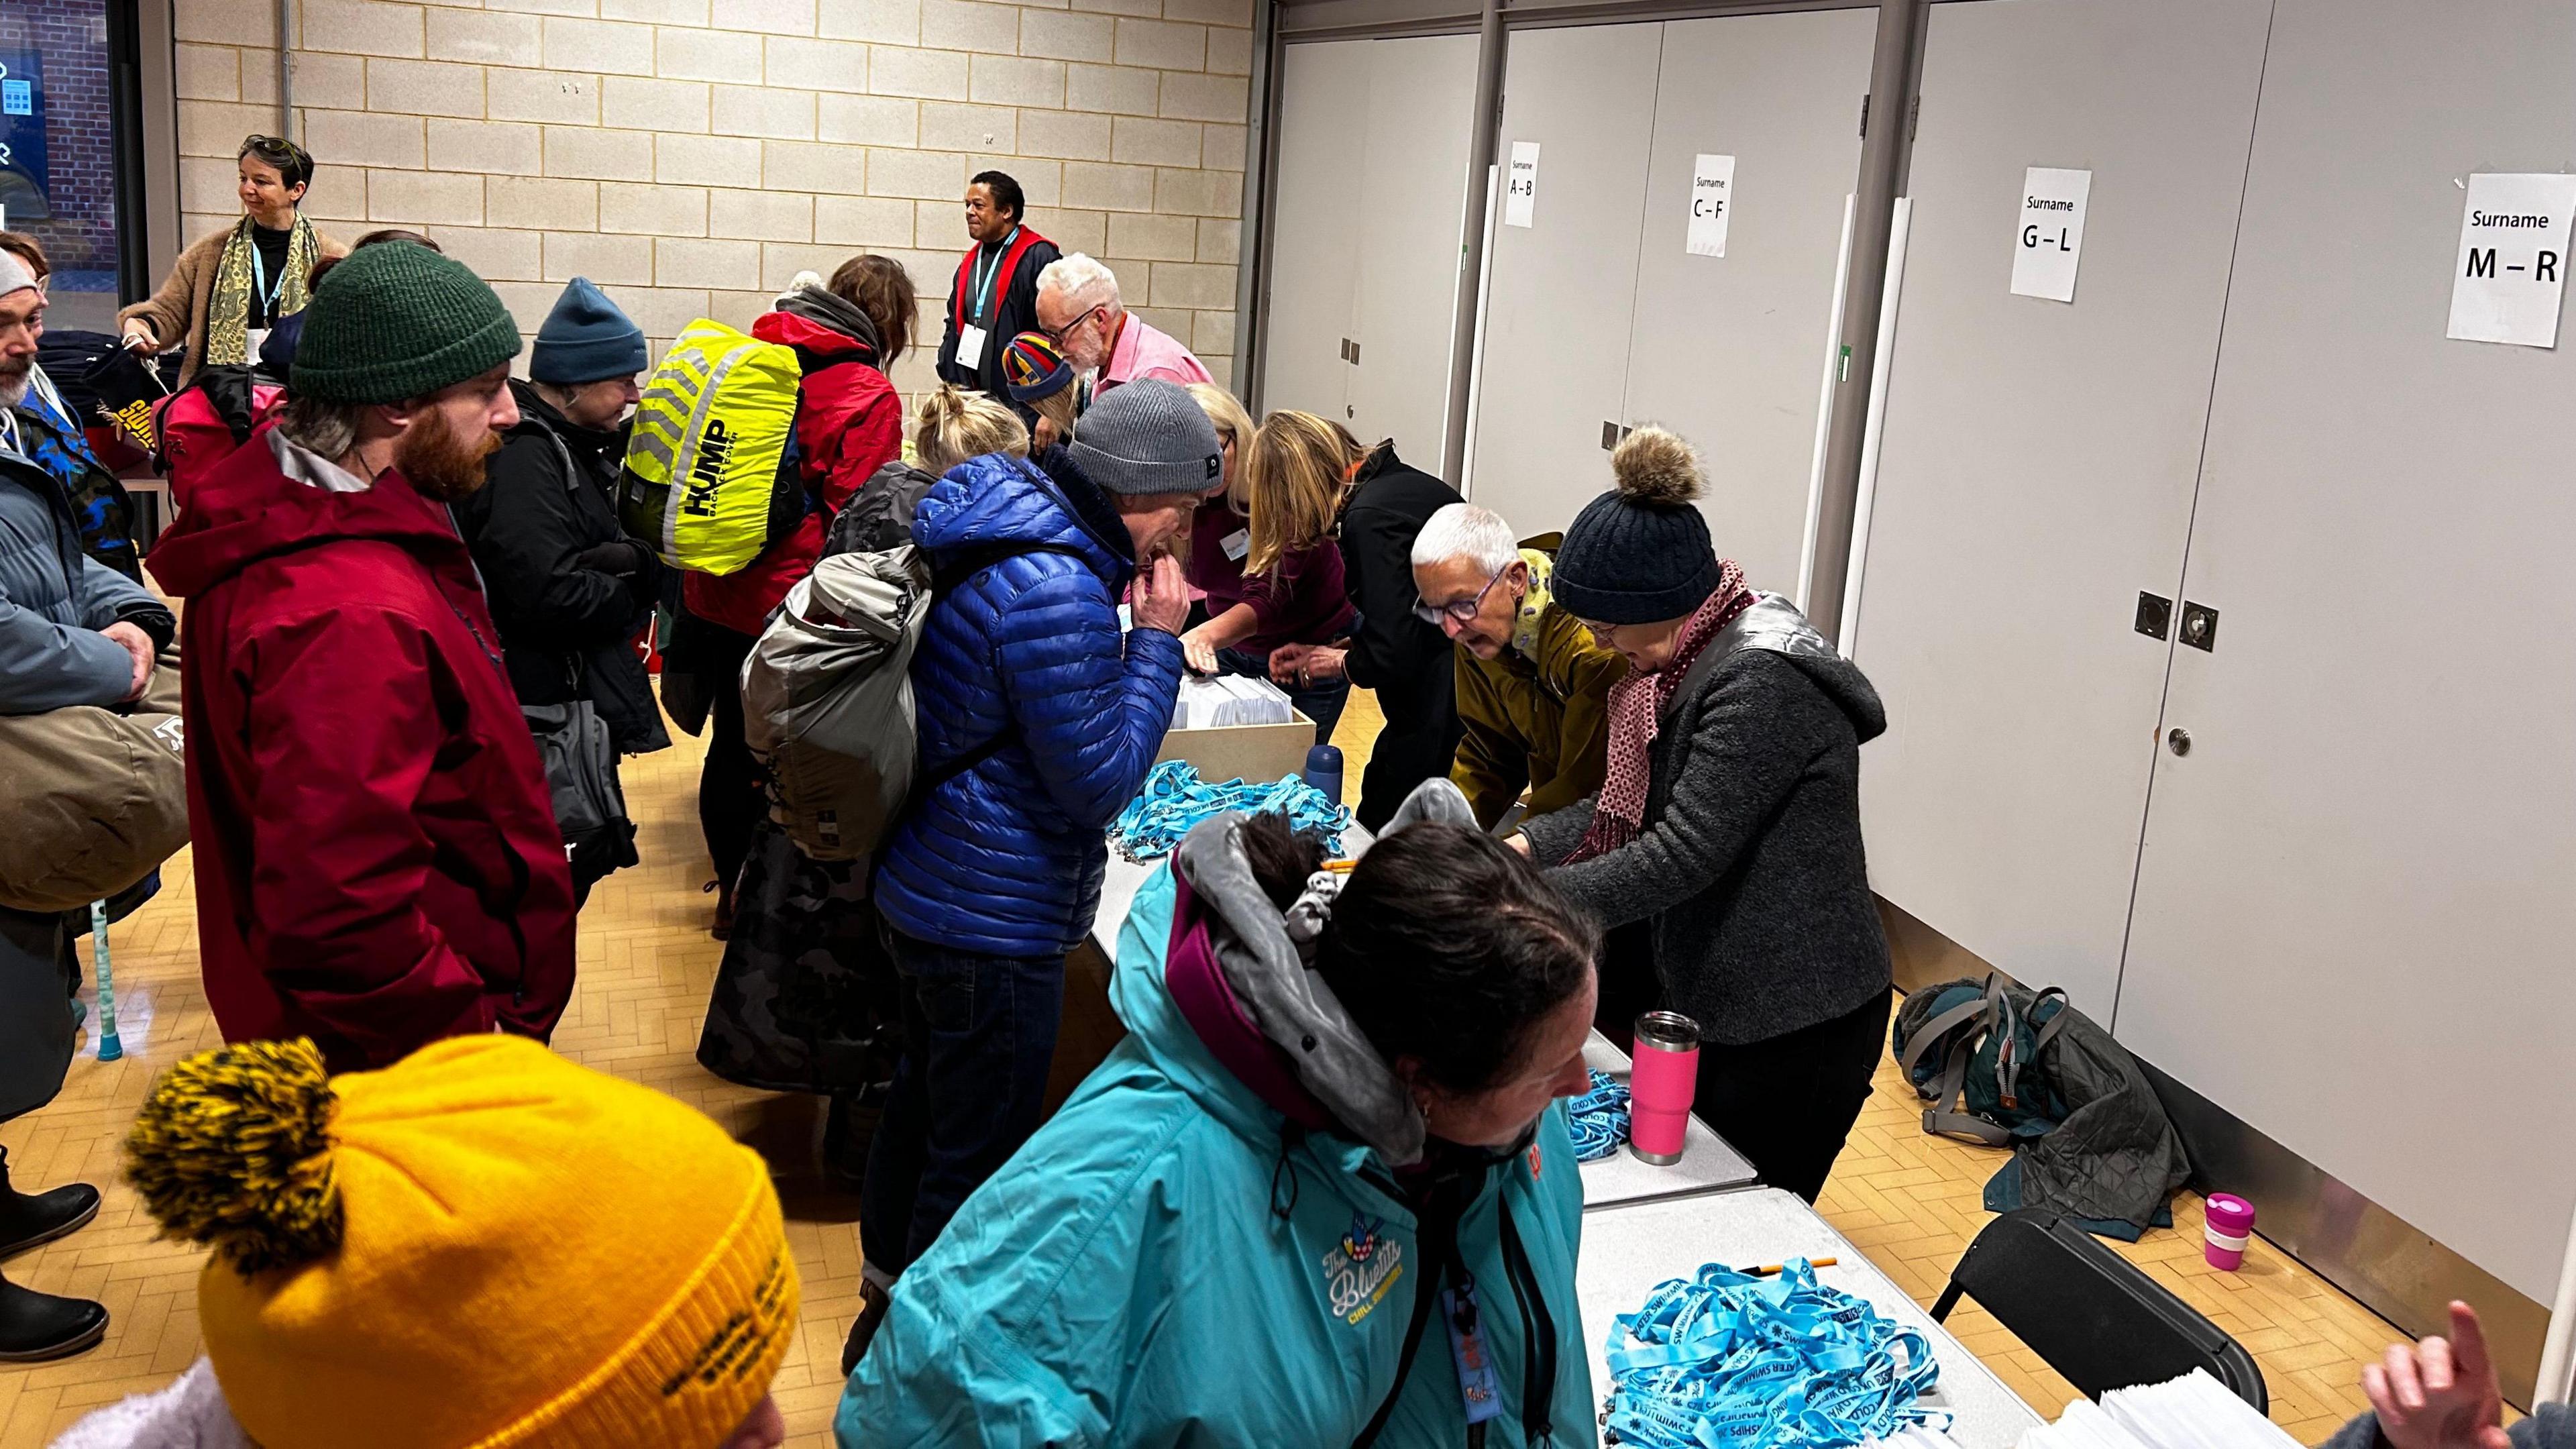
(2091, 1313)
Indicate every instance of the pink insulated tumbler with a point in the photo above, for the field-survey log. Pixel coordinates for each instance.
(1660, 1088)
(2230, 1225)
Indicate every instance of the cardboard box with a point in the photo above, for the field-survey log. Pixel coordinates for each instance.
(1259, 753)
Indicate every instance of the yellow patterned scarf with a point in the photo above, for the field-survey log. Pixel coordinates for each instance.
(228, 309)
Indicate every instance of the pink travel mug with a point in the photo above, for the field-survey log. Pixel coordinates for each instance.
(2229, 1226)
(1664, 1078)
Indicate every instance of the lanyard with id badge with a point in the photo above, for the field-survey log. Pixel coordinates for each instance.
(265, 292)
(970, 333)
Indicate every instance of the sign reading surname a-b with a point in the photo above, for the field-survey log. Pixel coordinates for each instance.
(1520, 185)
(2049, 238)
(2512, 267)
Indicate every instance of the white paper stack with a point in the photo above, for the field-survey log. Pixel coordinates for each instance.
(1230, 700)
(2192, 1412)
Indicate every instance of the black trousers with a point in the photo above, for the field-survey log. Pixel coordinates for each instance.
(1419, 743)
(1628, 986)
(729, 796)
(1788, 1104)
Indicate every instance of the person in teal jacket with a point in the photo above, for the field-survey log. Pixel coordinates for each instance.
(1323, 1194)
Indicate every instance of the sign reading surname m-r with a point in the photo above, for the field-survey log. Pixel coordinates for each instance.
(1712, 204)
(2512, 267)
(2048, 238)
(1520, 185)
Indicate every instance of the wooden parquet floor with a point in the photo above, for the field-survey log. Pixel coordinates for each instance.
(647, 963)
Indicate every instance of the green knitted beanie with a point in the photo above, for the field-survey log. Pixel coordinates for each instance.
(395, 321)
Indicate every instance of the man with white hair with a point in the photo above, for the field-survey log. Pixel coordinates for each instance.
(72, 630)
(1078, 306)
(1533, 686)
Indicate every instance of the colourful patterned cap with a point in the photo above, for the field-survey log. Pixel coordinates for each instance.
(1033, 367)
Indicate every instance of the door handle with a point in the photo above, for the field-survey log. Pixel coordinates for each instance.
(2178, 740)
(2200, 626)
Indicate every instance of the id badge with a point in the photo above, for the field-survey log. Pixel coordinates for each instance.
(970, 346)
(257, 338)
(1237, 544)
(1478, 1390)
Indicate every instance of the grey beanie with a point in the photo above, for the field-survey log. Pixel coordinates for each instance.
(1148, 437)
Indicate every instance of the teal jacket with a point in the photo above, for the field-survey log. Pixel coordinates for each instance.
(1171, 1261)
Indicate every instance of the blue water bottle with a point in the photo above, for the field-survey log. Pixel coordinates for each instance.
(1324, 771)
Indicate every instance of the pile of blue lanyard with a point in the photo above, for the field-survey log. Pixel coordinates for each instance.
(1727, 1359)
(1599, 1118)
(1175, 800)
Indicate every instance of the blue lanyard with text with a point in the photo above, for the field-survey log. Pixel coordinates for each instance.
(986, 276)
(260, 286)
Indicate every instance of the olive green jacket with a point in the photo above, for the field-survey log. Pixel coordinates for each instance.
(1540, 724)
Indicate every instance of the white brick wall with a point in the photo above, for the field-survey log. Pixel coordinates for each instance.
(692, 155)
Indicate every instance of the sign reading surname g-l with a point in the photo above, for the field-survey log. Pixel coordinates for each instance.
(1712, 202)
(1520, 185)
(2049, 239)
(2512, 267)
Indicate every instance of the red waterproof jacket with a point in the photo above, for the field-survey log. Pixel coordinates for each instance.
(377, 863)
(849, 423)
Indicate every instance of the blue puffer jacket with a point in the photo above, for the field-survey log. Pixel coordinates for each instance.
(1006, 859)
(54, 599)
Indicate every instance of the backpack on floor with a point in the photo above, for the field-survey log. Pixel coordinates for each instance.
(713, 474)
(827, 695)
(1972, 1053)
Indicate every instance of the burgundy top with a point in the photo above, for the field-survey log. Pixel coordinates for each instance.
(1302, 601)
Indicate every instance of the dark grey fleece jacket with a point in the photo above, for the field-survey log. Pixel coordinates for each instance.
(2551, 1426)
(1750, 866)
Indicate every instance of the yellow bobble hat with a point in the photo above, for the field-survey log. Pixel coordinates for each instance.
(482, 1245)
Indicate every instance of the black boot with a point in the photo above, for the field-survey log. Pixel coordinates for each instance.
(873, 1303)
(27, 1221)
(36, 1326)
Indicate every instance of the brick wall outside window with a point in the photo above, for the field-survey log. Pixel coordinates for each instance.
(71, 36)
(692, 155)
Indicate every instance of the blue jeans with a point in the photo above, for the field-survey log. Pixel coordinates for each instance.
(1321, 702)
(978, 1037)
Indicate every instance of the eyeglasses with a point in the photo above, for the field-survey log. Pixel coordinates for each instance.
(1058, 334)
(1600, 632)
(1462, 610)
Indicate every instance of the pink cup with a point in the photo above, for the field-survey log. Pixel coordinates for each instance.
(1664, 1079)
(2230, 1226)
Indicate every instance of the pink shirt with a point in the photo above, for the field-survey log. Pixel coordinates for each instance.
(1144, 351)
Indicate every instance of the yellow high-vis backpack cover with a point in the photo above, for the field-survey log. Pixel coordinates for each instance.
(711, 478)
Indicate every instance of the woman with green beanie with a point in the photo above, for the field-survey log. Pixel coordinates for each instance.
(230, 288)
(1729, 819)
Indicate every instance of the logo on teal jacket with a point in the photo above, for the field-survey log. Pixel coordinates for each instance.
(1361, 1268)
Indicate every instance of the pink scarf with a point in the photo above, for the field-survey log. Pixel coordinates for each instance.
(1637, 704)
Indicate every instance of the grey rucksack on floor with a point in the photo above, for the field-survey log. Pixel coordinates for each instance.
(2111, 1159)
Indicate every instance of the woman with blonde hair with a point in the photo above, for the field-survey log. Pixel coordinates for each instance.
(1309, 482)
(1300, 598)
(951, 425)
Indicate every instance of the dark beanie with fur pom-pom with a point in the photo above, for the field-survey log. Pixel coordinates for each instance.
(1640, 553)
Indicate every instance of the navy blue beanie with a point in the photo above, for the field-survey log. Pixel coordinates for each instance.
(586, 338)
(1640, 554)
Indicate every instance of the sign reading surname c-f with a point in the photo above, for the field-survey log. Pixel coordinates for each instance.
(2512, 267)
(2050, 236)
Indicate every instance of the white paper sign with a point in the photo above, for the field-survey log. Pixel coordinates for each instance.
(1520, 196)
(2049, 239)
(1712, 201)
(2513, 258)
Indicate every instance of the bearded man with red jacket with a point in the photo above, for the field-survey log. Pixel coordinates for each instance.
(376, 853)
(849, 423)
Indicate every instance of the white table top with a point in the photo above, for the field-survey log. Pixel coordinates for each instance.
(1708, 1164)
(1628, 1251)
